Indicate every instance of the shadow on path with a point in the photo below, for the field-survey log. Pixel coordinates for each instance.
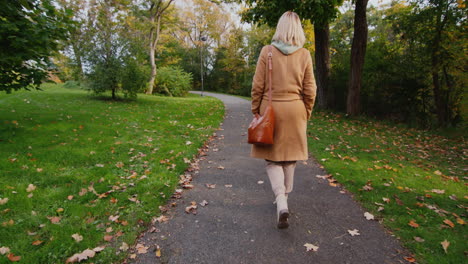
(238, 224)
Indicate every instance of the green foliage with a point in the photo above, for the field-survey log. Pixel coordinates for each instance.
(110, 150)
(318, 12)
(29, 34)
(173, 81)
(134, 78)
(397, 81)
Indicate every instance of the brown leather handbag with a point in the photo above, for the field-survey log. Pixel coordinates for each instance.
(261, 128)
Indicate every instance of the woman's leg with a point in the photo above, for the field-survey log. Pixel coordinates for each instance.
(276, 175)
(288, 170)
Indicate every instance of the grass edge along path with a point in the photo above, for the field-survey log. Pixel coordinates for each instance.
(78, 174)
(412, 181)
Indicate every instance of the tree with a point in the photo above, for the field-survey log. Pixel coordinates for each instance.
(320, 13)
(30, 32)
(358, 52)
(155, 12)
(109, 48)
(438, 28)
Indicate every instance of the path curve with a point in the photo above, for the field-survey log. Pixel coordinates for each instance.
(238, 224)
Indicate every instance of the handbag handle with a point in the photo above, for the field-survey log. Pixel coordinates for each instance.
(270, 67)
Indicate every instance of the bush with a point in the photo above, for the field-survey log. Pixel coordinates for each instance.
(134, 78)
(173, 81)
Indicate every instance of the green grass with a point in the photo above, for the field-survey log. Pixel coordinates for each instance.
(87, 158)
(404, 165)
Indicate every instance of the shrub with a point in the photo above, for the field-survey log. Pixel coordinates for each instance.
(173, 81)
(134, 78)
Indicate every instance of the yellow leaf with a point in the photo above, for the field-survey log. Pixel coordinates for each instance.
(445, 244)
(460, 221)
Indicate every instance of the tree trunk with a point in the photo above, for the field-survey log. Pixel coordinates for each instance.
(322, 61)
(79, 64)
(358, 52)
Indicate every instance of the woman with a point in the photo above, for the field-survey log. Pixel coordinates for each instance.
(293, 97)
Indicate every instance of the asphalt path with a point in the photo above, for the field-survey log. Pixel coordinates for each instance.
(238, 224)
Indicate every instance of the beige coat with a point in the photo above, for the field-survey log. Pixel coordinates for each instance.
(294, 91)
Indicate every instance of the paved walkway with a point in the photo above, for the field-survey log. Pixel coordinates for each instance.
(238, 223)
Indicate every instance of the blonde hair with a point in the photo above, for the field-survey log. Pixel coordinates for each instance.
(289, 30)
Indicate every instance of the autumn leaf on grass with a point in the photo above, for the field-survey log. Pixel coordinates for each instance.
(54, 219)
(310, 247)
(114, 218)
(460, 221)
(413, 223)
(3, 201)
(445, 244)
(13, 258)
(4, 250)
(438, 191)
(354, 232)
(108, 238)
(124, 246)
(77, 237)
(449, 223)
(31, 187)
(87, 253)
(37, 242)
(418, 239)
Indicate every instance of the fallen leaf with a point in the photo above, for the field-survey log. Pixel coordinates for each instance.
(141, 249)
(220, 167)
(109, 229)
(87, 253)
(438, 191)
(77, 237)
(460, 221)
(133, 256)
(418, 239)
(368, 216)
(162, 219)
(4, 250)
(445, 244)
(13, 258)
(114, 218)
(387, 200)
(210, 186)
(228, 185)
(124, 246)
(310, 247)
(158, 251)
(70, 197)
(413, 223)
(192, 208)
(59, 210)
(108, 238)
(55, 219)
(204, 203)
(31, 187)
(449, 223)
(410, 259)
(438, 172)
(354, 232)
(83, 191)
(3, 201)
(100, 165)
(367, 188)
(37, 242)
(188, 143)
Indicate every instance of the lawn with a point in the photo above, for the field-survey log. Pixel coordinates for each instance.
(412, 181)
(81, 173)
